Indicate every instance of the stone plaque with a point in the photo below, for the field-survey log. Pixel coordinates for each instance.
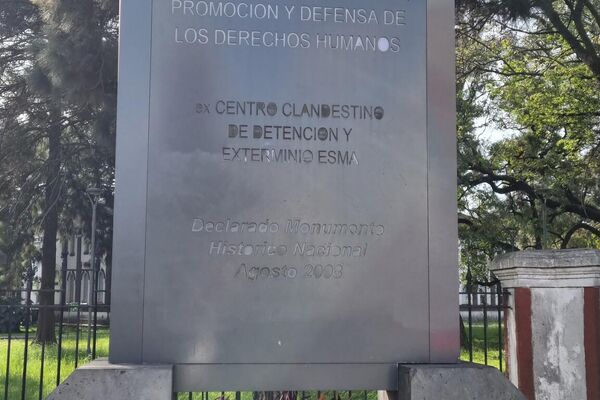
(285, 204)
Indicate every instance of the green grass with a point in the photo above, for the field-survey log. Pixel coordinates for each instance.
(493, 358)
(34, 358)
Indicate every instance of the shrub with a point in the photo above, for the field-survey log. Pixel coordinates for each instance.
(12, 314)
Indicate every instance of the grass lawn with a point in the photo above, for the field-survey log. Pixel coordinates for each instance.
(48, 380)
(479, 357)
(34, 359)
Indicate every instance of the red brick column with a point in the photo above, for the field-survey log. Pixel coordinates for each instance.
(553, 323)
(524, 353)
(592, 341)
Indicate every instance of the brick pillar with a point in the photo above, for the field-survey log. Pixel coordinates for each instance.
(553, 322)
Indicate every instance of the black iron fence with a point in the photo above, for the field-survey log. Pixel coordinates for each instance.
(483, 306)
(36, 352)
(30, 368)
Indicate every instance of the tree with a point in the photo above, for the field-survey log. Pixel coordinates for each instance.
(576, 21)
(78, 66)
(18, 27)
(58, 131)
(520, 68)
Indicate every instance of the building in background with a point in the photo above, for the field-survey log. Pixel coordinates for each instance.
(79, 280)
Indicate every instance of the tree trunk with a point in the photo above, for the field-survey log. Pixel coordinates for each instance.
(45, 332)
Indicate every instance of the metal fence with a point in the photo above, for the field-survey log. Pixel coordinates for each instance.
(483, 306)
(31, 370)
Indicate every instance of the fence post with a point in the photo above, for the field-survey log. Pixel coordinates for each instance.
(63, 300)
(470, 315)
(500, 306)
(8, 345)
(96, 275)
(29, 275)
(553, 324)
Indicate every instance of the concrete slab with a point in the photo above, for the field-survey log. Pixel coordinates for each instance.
(100, 380)
(575, 268)
(452, 382)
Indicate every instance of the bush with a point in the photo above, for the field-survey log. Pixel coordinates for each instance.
(12, 314)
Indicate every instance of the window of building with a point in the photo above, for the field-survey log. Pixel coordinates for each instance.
(101, 286)
(85, 287)
(72, 245)
(70, 295)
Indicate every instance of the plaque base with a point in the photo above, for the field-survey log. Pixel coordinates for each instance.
(451, 382)
(100, 380)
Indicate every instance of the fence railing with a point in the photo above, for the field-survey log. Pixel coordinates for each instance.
(32, 368)
(38, 352)
(483, 306)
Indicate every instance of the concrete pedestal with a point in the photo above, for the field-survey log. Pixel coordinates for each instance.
(553, 322)
(452, 382)
(100, 380)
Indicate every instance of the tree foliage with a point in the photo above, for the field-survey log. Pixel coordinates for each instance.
(58, 80)
(528, 69)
